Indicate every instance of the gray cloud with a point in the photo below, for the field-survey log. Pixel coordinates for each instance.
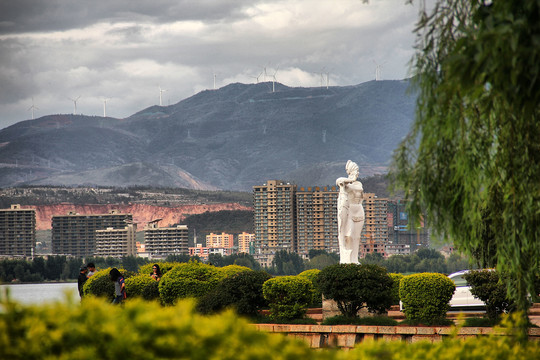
(124, 50)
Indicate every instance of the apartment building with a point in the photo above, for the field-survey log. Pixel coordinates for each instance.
(17, 231)
(376, 223)
(246, 243)
(316, 219)
(75, 234)
(163, 241)
(222, 240)
(116, 242)
(275, 216)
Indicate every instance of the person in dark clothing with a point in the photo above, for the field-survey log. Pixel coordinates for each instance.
(82, 279)
(119, 286)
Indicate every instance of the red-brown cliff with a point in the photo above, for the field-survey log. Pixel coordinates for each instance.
(142, 213)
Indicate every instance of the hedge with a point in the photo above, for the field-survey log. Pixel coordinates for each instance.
(425, 296)
(137, 330)
(140, 330)
(193, 279)
(136, 285)
(396, 278)
(233, 269)
(311, 275)
(288, 296)
(241, 291)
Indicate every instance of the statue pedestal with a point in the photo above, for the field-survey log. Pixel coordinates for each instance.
(330, 308)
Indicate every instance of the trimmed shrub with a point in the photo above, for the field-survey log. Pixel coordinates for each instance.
(354, 286)
(288, 296)
(151, 291)
(241, 291)
(396, 278)
(135, 285)
(137, 330)
(316, 300)
(487, 286)
(230, 270)
(425, 296)
(100, 284)
(163, 266)
(193, 279)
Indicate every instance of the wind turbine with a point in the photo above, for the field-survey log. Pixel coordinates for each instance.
(378, 68)
(105, 107)
(33, 107)
(161, 91)
(257, 77)
(274, 80)
(75, 104)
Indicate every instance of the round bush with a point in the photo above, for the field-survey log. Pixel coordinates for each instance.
(135, 285)
(100, 285)
(311, 275)
(233, 269)
(151, 291)
(241, 291)
(193, 279)
(396, 278)
(354, 286)
(425, 296)
(288, 296)
(488, 287)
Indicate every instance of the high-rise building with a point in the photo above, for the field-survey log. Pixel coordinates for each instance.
(161, 242)
(402, 230)
(275, 216)
(311, 220)
(17, 231)
(376, 223)
(116, 242)
(246, 243)
(75, 234)
(316, 219)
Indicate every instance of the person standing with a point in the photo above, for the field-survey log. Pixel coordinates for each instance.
(82, 279)
(156, 272)
(119, 286)
(91, 269)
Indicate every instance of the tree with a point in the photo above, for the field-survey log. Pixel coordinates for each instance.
(354, 286)
(287, 263)
(473, 154)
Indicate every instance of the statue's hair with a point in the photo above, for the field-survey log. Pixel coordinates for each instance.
(351, 166)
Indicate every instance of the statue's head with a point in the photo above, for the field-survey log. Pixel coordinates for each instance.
(352, 168)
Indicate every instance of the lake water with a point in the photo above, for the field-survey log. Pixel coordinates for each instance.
(36, 294)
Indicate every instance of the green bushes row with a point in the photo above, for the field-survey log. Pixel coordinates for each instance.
(352, 286)
(141, 330)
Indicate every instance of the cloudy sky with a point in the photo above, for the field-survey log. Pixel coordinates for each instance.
(54, 51)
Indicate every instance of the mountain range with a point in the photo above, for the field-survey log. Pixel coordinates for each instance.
(231, 138)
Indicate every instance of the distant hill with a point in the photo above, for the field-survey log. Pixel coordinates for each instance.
(232, 138)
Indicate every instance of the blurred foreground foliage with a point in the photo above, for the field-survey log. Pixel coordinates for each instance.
(96, 329)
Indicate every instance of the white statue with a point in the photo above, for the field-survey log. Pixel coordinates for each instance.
(350, 214)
